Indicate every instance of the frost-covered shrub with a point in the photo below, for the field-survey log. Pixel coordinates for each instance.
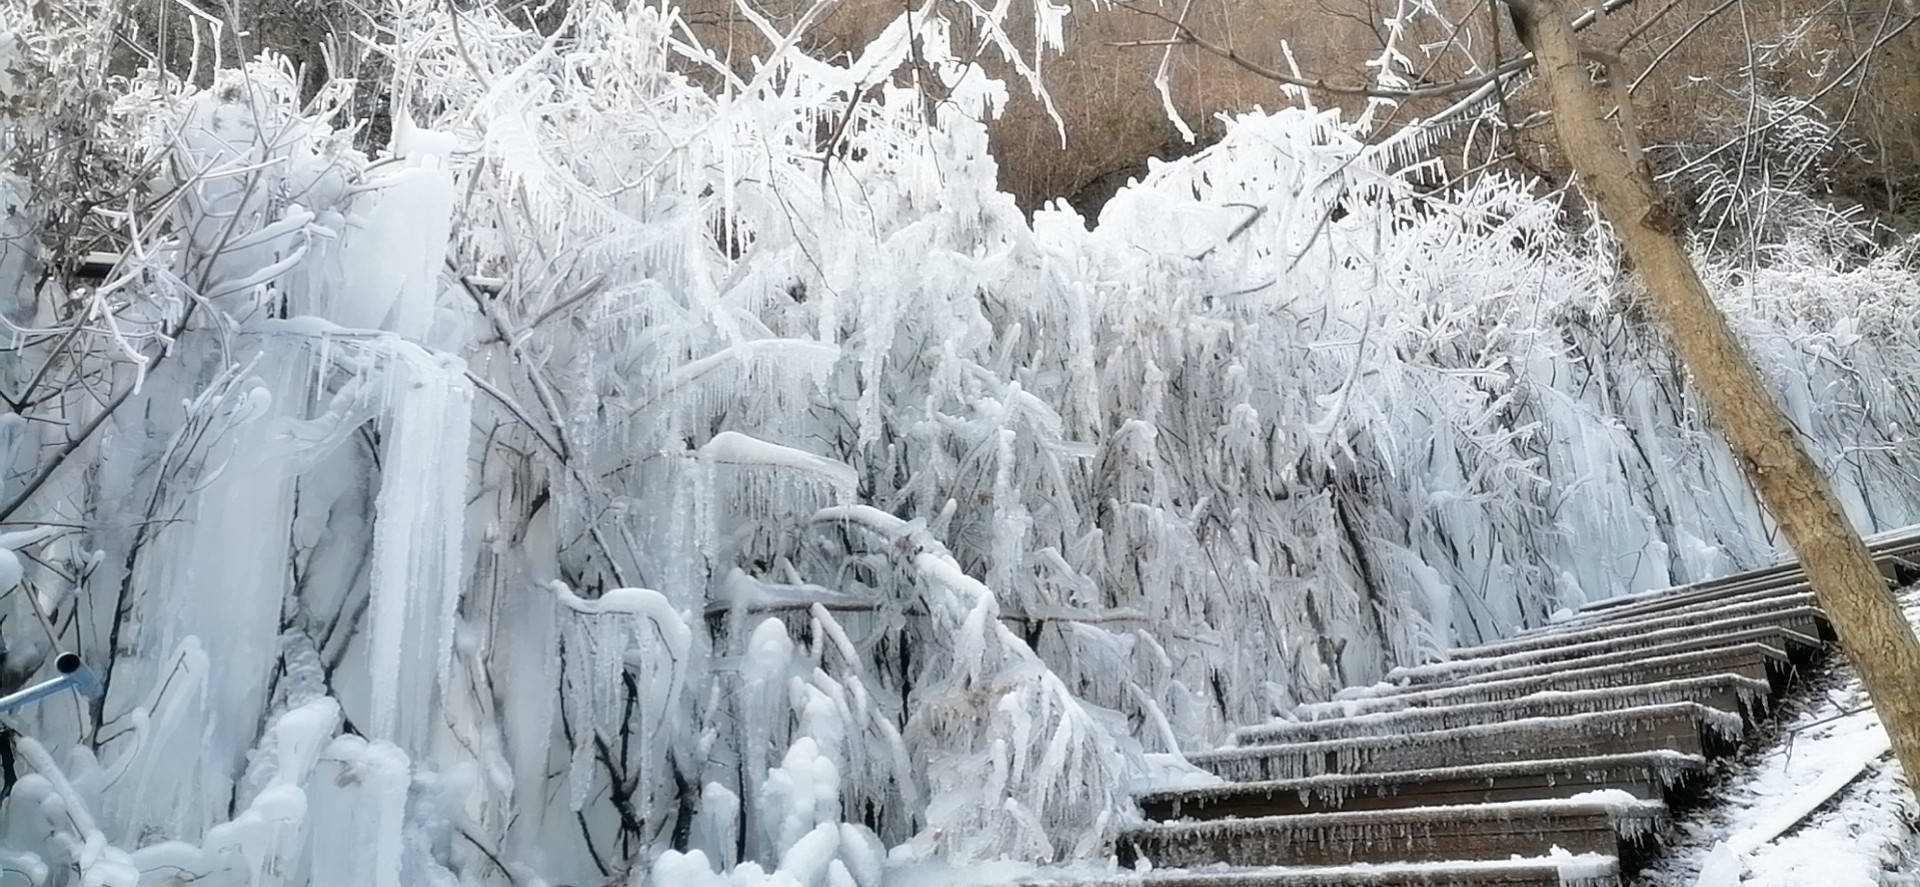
(618, 481)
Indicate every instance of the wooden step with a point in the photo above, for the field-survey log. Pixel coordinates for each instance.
(1646, 775)
(1726, 692)
(1616, 826)
(1691, 595)
(1805, 621)
(1564, 870)
(1759, 662)
(1691, 602)
(1797, 647)
(1682, 726)
(1898, 544)
(1687, 602)
(1749, 579)
(1630, 627)
(1638, 623)
(1673, 608)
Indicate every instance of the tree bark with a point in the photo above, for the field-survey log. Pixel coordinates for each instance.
(1873, 633)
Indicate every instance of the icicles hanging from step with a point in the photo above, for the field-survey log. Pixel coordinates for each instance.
(418, 533)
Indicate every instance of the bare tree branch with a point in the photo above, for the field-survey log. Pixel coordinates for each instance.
(1186, 36)
(1838, 79)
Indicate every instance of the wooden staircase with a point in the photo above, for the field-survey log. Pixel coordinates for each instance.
(1551, 758)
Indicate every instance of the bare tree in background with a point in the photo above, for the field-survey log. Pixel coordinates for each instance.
(1873, 632)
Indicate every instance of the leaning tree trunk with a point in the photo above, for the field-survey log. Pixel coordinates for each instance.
(1872, 630)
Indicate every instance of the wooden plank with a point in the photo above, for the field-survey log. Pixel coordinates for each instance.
(1775, 636)
(1648, 775)
(1885, 547)
(1759, 662)
(1726, 692)
(1682, 727)
(1630, 627)
(1769, 579)
(1430, 794)
(1590, 870)
(1420, 834)
(1804, 621)
(1703, 602)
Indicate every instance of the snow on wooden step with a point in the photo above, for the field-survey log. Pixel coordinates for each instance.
(1727, 692)
(1687, 604)
(1646, 775)
(1776, 636)
(1682, 726)
(1691, 595)
(1599, 822)
(1779, 583)
(1637, 618)
(1553, 870)
(1756, 661)
(1636, 626)
(1901, 543)
(1885, 546)
(1678, 606)
(1802, 620)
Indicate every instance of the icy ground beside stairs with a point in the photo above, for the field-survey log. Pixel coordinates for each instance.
(1820, 804)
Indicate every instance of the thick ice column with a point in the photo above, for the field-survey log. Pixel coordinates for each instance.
(390, 268)
(216, 572)
(526, 636)
(419, 527)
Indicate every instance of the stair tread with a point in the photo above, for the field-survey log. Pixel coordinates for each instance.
(1680, 605)
(1566, 870)
(1654, 772)
(1597, 822)
(1618, 675)
(1884, 546)
(1773, 635)
(1640, 642)
(1408, 751)
(1657, 759)
(1580, 634)
(1741, 690)
(1626, 812)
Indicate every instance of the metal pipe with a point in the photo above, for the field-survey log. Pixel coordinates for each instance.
(74, 675)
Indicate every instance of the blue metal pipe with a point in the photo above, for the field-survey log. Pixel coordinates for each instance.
(74, 675)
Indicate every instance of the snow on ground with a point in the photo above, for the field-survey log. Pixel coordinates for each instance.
(1821, 801)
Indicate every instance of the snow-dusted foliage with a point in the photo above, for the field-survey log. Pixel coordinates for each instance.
(619, 481)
